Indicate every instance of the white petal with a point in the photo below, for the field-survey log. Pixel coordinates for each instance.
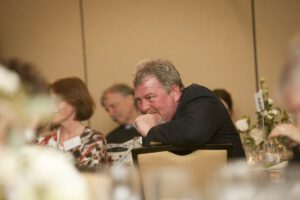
(9, 81)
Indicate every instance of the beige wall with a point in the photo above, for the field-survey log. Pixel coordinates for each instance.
(278, 21)
(46, 33)
(210, 41)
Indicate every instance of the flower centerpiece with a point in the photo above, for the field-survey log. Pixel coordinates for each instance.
(20, 110)
(30, 172)
(254, 135)
(34, 173)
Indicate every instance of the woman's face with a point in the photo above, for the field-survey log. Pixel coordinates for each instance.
(64, 111)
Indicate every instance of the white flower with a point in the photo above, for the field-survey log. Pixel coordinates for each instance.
(9, 81)
(274, 111)
(8, 167)
(270, 117)
(40, 173)
(257, 135)
(242, 125)
(265, 113)
(270, 101)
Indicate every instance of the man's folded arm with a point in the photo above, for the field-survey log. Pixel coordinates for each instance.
(201, 119)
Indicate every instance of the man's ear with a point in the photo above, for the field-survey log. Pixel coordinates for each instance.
(175, 92)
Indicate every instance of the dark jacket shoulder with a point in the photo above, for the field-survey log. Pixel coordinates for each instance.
(195, 91)
(122, 134)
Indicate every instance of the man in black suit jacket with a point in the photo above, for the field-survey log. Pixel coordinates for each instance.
(176, 115)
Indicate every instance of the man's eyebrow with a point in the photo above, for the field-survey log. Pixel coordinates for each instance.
(145, 95)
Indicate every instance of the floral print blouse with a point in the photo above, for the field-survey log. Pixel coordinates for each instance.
(89, 152)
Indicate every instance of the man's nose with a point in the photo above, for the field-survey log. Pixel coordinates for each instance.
(144, 106)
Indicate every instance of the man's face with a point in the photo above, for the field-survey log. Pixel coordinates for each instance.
(152, 97)
(119, 107)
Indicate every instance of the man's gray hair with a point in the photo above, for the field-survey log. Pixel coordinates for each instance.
(119, 88)
(162, 69)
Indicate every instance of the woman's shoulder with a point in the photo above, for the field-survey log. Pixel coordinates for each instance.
(43, 140)
(92, 135)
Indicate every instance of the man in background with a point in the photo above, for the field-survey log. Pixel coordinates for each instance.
(118, 101)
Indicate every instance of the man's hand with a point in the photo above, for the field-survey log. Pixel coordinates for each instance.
(145, 122)
(288, 130)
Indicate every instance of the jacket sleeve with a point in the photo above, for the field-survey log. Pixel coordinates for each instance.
(196, 124)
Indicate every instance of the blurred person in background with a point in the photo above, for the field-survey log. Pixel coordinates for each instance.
(74, 104)
(118, 101)
(290, 93)
(289, 89)
(225, 98)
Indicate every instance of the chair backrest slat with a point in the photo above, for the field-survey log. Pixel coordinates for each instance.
(194, 167)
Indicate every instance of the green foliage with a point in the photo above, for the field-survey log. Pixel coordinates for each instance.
(271, 115)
